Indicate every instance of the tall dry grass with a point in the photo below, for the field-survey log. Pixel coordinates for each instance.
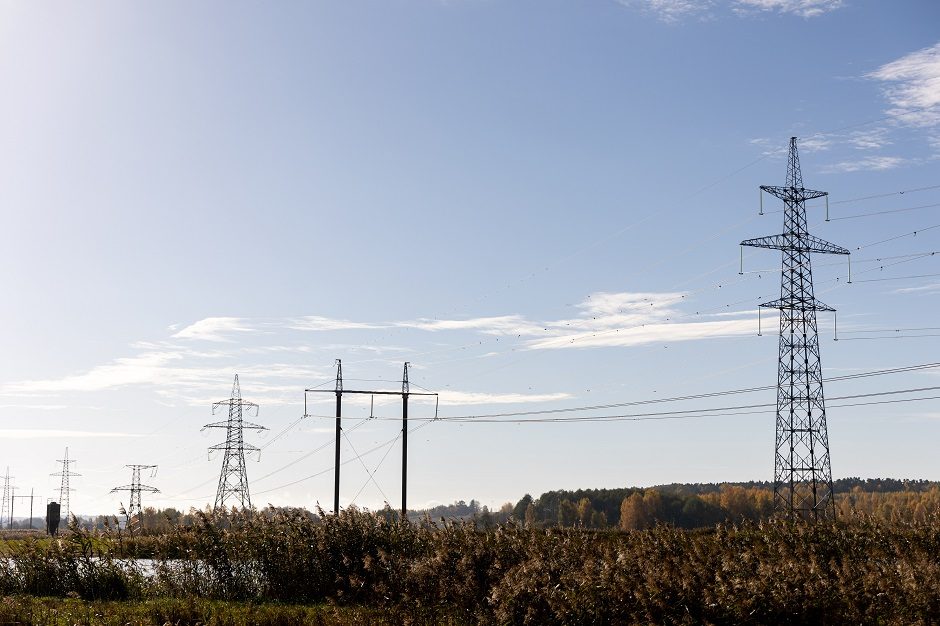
(865, 571)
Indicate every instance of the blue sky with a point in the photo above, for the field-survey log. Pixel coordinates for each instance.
(537, 203)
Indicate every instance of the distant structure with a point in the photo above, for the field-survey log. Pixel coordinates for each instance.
(802, 473)
(53, 513)
(233, 481)
(6, 510)
(135, 505)
(64, 488)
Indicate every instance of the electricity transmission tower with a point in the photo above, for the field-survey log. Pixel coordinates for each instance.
(233, 481)
(802, 473)
(134, 507)
(64, 488)
(404, 393)
(7, 508)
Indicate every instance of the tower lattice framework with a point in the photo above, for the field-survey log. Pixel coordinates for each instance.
(5, 508)
(64, 488)
(233, 481)
(136, 488)
(802, 471)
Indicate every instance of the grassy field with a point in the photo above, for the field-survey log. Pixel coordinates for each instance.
(362, 568)
(190, 612)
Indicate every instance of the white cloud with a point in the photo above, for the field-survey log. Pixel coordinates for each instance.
(872, 139)
(872, 163)
(913, 87)
(318, 323)
(500, 325)
(143, 368)
(802, 8)
(277, 373)
(453, 398)
(669, 10)
(930, 288)
(214, 329)
(631, 319)
(31, 433)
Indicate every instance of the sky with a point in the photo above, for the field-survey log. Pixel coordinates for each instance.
(537, 203)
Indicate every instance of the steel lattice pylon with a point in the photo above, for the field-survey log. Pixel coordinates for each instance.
(233, 481)
(64, 488)
(5, 509)
(802, 473)
(135, 505)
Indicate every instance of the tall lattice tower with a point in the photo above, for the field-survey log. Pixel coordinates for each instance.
(233, 481)
(6, 508)
(802, 473)
(64, 488)
(136, 488)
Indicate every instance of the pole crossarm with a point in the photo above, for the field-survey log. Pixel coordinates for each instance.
(372, 393)
(338, 391)
(795, 243)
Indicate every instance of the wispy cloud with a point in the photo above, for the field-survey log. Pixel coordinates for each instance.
(499, 325)
(868, 164)
(319, 323)
(670, 11)
(913, 87)
(454, 398)
(31, 433)
(924, 289)
(181, 371)
(801, 8)
(215, 329)
(871, 139)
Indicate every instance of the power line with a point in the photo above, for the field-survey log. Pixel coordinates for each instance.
(885, 212)
(912, 233)
(885, 195)
(346, 462)
(741, 409)
(878, 280)
(712, 394)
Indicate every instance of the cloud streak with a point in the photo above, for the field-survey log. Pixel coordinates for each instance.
(31, 433)
(913, 87)
(801, 8)
(181, 371)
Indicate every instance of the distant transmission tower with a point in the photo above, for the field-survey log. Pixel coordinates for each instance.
(64, 488)
(233, 481)
(802, 474)
(135, 507)
(7, 508)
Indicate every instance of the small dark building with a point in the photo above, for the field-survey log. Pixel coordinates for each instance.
(53, 510)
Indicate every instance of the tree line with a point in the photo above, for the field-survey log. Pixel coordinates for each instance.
(706, 504)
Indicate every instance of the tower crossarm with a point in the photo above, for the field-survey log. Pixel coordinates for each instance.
(796, 243)
(247, 447)
(793, 194)
(797, 304)
(235, 402)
